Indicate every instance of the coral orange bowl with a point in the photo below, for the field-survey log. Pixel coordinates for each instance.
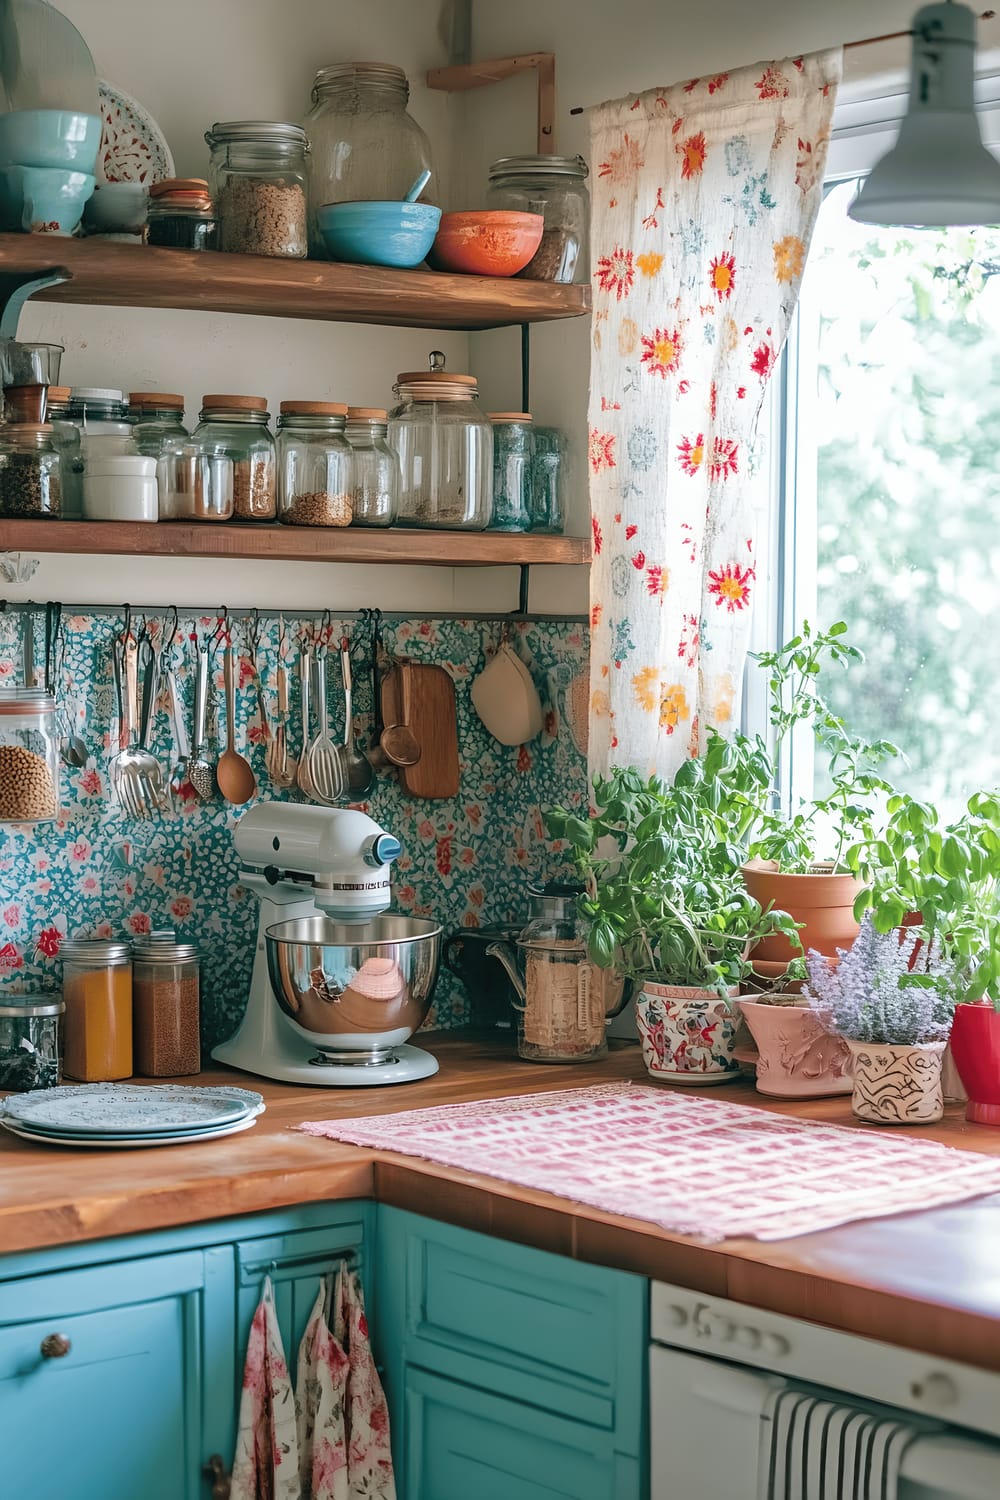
(486, 242)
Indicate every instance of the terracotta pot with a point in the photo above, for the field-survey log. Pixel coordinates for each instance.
(822, 901)
(975, 1047)
(897, 1085)
(687, 1034)
(796, 1058)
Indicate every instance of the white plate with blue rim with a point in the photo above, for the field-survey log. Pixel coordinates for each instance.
(125, 1142)
(126, 1109)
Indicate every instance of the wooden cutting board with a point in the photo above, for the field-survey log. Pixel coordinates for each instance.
(422, 697)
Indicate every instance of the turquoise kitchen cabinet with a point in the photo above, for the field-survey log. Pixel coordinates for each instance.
(510, 1371)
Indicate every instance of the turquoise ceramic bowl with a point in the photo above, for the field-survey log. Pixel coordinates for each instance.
(41, 200)
(379, 234)
(50, 138)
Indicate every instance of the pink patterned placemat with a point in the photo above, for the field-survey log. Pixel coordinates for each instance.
(691, 1165)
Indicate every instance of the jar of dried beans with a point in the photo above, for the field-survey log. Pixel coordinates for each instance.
(556, 188)
(30, 471)
(29, 756)
(166, 1007)
(233, 431)
(315, 464)
(376, 467)
(97, 993)
(257, 177)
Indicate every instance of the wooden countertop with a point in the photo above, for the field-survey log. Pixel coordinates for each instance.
(927, 1281)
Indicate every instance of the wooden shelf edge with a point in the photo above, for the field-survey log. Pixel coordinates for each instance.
(454, 549)
(113, 275)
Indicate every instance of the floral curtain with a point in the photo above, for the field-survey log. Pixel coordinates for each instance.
(705, 195)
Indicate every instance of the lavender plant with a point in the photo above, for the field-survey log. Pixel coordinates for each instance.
(874, 996)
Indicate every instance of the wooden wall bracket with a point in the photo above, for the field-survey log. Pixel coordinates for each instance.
(477, 75)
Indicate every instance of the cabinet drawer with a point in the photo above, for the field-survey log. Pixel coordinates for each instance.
(536, 1327)
(463, 1442)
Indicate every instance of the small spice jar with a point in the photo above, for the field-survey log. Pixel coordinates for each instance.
(181, 215)
(29, 1043)
(315, 464)
(29, 756)
(513, 448)
(258, 180)
(376, 467)
(166, 1008)
(548, 480)
(445, 445)
(66, 441)
(159, 433)
(235, 429)
(556, 188)
(30, 472)
(97, 993)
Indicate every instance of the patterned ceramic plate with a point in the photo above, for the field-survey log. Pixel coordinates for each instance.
(124, 1142)
(129, 1109)
(133, 147)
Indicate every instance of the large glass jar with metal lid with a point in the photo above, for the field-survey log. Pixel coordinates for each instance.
(66, 441)
(556, 188)
(30, 472)
(29, 756)
(315, 464)
(97, 993)
(234, 431)
(376, 467)
(257, 176)
(513, 447)
(166, 1008)
(365, 143)
(444, 442)
(159, 432)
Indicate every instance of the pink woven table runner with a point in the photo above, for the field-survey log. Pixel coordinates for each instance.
(691, 1165)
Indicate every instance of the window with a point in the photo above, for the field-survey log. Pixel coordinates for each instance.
(888, 475)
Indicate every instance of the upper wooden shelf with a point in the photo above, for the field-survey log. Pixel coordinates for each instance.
(453, 549)
(113, 275)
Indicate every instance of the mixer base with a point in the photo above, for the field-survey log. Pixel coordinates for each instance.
(290, 1064)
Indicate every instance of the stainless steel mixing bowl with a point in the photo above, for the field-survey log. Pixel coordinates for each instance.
(354, 990)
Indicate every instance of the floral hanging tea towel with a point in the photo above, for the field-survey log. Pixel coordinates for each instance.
(320, 1405)
(369, 1456)
(266, 1466)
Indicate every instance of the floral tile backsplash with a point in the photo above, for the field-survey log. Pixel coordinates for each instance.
(466, 862)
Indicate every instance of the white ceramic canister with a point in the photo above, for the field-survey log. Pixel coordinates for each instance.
(120, 487)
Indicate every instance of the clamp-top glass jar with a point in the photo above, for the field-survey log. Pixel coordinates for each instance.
(233, 430)
(257, 175)
(555, 187)
(365, 143)
(444, 442)
(315, 464)
(29, 756)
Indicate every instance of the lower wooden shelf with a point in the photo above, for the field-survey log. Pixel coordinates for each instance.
(453, 549)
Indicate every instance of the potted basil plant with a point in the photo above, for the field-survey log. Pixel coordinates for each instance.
(665, 904)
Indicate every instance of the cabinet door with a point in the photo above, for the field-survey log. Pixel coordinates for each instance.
(464, 1443)
(118, 1413)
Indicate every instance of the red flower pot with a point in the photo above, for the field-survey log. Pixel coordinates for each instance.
(975, 1046)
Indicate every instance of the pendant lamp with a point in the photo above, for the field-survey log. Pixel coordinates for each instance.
(938, 172)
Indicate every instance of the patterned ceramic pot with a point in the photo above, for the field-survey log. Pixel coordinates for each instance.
(796, 1059)
(895, 1085)
(687, 1034)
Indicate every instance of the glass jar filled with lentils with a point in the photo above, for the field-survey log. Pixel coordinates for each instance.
(235, 428)
(30, 471)
(315, 464)
(257, 177)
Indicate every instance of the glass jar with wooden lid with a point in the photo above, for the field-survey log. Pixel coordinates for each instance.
(444, 442)
(159, 432)
(97, 1025)
(235, 429)
(315, 464)
(376, 467)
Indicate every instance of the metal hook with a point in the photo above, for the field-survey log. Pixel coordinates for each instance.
(168, 640)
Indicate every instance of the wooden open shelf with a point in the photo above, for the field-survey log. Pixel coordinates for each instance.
(453, 549)
(113, 275)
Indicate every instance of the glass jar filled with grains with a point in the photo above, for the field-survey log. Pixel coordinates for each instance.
(97, 993)
(365, 143)
(513, 446)
(29, 756)
(445, 445)
(181, 214)
(30, 472)
(66, 441)
(257, 176)
(235, 429)
(166, 1008)
(548, 480)
(315, 464)
(30, 1052)
(376, 467)
(556, 188)
(159, 432)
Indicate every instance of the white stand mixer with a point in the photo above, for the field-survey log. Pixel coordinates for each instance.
(304, 864)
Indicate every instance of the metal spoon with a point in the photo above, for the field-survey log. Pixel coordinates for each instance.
(234, 773)
(358, 771)
(201, 768)
(281, 766)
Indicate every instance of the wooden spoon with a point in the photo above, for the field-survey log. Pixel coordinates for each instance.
(234, 774)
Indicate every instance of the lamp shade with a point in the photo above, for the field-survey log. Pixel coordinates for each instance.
(938, 172)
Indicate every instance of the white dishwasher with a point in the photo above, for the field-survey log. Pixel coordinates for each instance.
(749, 1405)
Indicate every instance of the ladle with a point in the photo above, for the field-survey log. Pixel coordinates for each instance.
(234, 773)
(201, 769)
(358, 771)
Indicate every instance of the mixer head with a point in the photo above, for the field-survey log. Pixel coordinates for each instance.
(339, 854)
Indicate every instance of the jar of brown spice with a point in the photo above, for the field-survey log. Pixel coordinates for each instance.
(166, 1007)
(236, 428)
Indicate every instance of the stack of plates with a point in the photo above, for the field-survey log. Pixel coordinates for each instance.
(116, 1116)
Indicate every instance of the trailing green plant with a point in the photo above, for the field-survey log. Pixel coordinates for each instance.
(874, 995)
(664, 899)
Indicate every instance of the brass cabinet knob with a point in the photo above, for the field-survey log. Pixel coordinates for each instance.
(55, 1346)
(215, 1470)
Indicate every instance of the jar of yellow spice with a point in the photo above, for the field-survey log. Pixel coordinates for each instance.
(97, 1026)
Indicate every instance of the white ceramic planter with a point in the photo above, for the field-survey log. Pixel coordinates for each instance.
(895, 1085)
(687, 1034)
